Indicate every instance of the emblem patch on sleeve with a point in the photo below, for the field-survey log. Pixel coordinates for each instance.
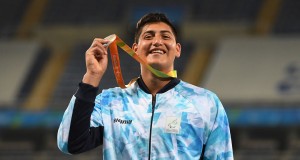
(172, 125)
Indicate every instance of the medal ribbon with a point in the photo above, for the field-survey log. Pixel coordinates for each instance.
(116, 62)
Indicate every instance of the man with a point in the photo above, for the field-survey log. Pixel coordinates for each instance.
(154, 118)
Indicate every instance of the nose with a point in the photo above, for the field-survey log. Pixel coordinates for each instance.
(157, 41)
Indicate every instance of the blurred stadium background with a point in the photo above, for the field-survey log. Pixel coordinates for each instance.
(247, 51)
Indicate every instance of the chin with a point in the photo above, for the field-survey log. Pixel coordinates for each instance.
(157, 66)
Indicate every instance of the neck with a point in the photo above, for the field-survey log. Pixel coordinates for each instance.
(153, 82)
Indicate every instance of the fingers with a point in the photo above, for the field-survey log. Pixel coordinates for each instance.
(99, 43)
(97, 48)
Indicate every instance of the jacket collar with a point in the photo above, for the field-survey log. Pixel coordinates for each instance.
(167, 87)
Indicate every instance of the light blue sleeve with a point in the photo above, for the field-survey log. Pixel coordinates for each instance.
(219, 145)
(64, 128)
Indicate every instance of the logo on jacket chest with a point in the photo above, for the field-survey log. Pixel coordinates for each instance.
(172, 125)
(122, 121)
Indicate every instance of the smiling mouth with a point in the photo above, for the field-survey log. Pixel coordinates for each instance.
(157, 51)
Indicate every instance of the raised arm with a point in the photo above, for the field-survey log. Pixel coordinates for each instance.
(75, 135)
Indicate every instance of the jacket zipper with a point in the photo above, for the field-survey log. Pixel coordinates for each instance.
(153, 107)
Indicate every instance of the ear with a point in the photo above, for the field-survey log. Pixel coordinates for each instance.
(134, 47)
(178, 50)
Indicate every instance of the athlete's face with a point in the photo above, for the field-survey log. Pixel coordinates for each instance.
(157, 46)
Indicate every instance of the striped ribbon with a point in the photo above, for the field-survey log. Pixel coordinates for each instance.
(116, 41)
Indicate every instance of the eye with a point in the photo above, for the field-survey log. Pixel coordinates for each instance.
(147, 36)
(166, 36)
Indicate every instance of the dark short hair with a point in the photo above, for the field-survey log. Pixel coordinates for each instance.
(152, 18)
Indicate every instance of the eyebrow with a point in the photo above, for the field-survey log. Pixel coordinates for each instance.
(162, 31)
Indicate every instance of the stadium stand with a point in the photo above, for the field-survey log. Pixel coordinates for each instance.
(230, 11)
(77, 12)
(287, 21)
(10, 17)
(21, 63)
(230, 36)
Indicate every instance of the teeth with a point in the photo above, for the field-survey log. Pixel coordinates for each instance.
(158, 51)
